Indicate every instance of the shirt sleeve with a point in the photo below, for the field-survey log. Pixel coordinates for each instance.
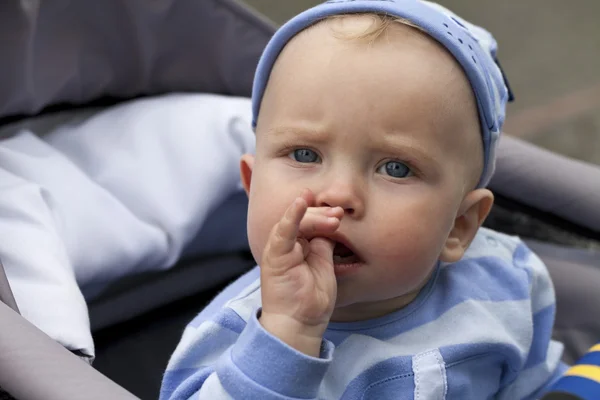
(227, 358)
(542, 365)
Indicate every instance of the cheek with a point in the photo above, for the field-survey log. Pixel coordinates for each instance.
(409, 239)
(265, 209)
(407, 263)
(261, 219)
(413, 249)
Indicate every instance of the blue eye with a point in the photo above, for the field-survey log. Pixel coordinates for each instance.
(304, 156)
(395, 169)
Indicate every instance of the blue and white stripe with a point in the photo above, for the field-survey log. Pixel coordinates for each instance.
(481, 328)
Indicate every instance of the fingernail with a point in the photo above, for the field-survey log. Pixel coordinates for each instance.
(332, 220)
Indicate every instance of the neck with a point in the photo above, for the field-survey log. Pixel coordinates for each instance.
(376, 309)
(371, 310)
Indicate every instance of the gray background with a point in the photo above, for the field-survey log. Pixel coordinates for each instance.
(550, 51)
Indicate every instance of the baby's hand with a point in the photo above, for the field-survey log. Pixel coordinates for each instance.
(298, 282)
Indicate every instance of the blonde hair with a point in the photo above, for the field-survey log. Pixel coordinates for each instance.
(380, 24)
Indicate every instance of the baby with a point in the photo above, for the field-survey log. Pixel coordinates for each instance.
(376, 123)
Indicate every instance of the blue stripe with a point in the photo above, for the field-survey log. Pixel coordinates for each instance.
(466, 355)
(483, 279)
(177, 383)
(584, 388)
(477, 378)
(543, 321)
(486, 278)
(400, 381)
(521, 258)
(240, 386)
(592, 358)
(229, 319)
(458, 353)
(562, 368)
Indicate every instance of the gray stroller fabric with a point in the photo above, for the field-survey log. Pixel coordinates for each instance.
(576, 277)
(79, 51)
(551, 183)
(33, 366)
(8, 299)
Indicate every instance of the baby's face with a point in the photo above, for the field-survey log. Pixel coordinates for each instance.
(375, 129)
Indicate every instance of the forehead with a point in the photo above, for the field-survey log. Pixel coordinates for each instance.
(403, 80)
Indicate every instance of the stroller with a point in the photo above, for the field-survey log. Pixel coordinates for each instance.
(70, 56)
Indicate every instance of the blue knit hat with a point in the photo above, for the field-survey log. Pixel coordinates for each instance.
(473, 47)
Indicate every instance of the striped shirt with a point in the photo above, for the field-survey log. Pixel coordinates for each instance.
(480, 329)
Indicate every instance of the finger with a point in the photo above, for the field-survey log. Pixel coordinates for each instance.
(321, 250)
(285, 232)
(315, 224)
(337, 212)
(308, 196)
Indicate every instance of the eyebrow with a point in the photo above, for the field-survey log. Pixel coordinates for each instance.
(313, 135)
(412, 152)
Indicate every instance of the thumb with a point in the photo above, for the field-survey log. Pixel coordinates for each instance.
(322, 249)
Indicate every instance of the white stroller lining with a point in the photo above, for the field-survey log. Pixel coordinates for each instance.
(120, 193)
(37, 263)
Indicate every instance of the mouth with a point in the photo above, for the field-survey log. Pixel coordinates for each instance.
(342, 254)
(345, 259)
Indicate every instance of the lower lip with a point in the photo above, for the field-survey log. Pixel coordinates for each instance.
(342, 270)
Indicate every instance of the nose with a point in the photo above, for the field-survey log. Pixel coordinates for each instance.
(343, 193)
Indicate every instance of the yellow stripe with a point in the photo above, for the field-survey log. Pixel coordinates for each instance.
(594, 348)
(585, 371)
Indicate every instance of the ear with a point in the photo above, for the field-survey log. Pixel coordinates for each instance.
(473, 211)
(246, 166)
